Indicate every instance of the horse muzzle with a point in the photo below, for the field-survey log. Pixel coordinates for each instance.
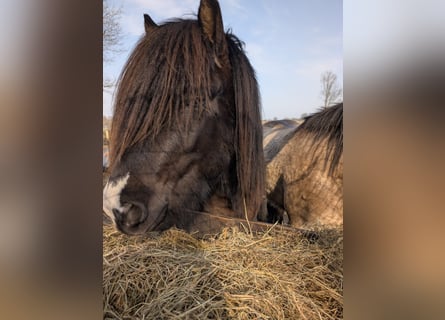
(130, 216)
(135, 218)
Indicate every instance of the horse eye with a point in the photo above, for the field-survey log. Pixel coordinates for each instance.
(216, 91)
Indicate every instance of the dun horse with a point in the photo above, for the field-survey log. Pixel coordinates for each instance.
(186, 132)
(304, 175)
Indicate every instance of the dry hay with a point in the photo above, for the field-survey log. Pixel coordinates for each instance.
(234, 275)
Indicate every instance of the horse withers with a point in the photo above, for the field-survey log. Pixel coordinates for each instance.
(186, 132)
(304, 170)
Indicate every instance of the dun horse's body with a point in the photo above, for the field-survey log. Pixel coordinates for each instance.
(304, 175)
(186, 133)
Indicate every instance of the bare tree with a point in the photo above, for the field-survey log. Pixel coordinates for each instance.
(331, 92)
(112, 31)
(112, 37)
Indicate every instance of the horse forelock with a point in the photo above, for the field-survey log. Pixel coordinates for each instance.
(165, 83)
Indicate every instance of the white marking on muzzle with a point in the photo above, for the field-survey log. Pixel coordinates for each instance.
(111, 196)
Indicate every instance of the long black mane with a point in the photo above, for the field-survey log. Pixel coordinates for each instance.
(155, 92)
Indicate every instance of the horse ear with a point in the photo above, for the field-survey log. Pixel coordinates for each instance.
(149, 24)
(210, 20)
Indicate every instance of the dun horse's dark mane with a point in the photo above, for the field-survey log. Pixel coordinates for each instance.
(155, 93)
(326, 124)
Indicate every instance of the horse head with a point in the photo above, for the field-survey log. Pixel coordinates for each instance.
(186, 126)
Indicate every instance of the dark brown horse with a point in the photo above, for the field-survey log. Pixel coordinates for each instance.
(304, 175)
(186, 133)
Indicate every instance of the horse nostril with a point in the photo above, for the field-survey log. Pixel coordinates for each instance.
(130, 214)
(118, 214)
(134, 214)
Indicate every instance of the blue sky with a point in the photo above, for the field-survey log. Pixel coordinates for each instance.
(289, 43)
